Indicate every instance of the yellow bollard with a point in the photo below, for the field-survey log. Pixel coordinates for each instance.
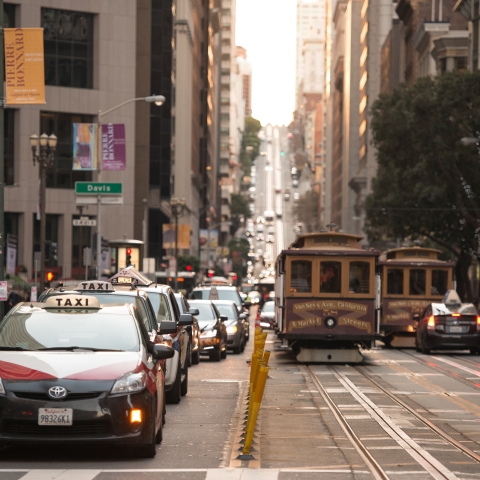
(266, 357)
(256, 401)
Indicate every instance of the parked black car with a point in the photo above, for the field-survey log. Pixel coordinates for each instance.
(452, 325)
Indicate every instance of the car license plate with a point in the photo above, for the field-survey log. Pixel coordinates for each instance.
(456, 329)
(55, 416)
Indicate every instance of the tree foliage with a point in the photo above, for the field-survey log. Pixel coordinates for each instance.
(427, 180)
(239, 211)
(184, 260)
(250, 143)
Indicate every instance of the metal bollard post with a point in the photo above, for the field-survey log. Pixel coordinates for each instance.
(256, 401)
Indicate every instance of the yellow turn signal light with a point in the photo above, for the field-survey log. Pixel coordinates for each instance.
(135, 416)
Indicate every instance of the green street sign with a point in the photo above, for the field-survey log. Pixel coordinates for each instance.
(98, 188)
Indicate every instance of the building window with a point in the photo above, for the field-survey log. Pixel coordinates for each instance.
(61, 174)
(68, 38)
(8, 116)
(8, 15)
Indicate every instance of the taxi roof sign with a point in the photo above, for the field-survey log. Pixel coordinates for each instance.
(95, 286)
(130, 276)
(81, 302)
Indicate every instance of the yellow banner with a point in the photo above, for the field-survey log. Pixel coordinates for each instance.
(169, 236)
(24, 66)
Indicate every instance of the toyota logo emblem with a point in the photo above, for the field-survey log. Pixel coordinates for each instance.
(57, 392)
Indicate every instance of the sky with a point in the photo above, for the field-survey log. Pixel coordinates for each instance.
(266, 28)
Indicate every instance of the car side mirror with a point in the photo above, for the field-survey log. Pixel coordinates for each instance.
(160, 351)
(194, 311)
(185, 319)
(416, 317)
(223, 318)
(167, 327)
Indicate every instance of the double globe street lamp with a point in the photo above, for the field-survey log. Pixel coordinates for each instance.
(43, 152)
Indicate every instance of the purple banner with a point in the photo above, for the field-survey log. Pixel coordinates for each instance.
(113, 146)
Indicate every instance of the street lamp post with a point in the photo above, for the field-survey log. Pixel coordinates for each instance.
(177, 206)
(43, 151)
(157, 100)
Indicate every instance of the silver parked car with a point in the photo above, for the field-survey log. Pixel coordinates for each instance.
(236, 325)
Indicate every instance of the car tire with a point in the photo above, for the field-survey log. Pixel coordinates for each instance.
(474, 351)
(148, 450)
(216, 355)
(417, 348)
(174, 395)
(425, 350)
(223, 353)
(195, 357)
(184, 387)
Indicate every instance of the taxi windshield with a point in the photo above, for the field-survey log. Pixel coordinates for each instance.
(227, 310)
(56, 330)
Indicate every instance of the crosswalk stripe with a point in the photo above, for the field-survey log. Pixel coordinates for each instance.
(210, 473)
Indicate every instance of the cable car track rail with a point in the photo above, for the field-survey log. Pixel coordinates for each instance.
(433, 466)
(377, 471)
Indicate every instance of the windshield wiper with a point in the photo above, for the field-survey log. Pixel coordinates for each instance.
(16, 349)
(72, 348)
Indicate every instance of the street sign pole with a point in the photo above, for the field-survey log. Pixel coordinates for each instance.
(99, 238)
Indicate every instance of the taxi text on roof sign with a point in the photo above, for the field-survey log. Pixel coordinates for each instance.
(98, 188)
(95, 286)
(72, 302)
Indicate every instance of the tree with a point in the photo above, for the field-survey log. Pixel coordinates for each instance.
(427, 181)
(250, 143)
(306, 211)
(238, 210)
(239, 249)
(184, 260)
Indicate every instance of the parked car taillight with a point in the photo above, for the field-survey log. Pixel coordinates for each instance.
(431, 322)
(478, 324)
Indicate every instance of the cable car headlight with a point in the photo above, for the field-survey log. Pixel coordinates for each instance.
(330, 322)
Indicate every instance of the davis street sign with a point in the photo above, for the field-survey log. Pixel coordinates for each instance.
(84, 222)
(98, 188)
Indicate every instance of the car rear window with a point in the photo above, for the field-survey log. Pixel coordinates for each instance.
(227, 310)
(205, 311)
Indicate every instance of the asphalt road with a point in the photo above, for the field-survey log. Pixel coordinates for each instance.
(417, 417)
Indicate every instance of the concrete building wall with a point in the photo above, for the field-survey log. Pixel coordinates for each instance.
(114, 82)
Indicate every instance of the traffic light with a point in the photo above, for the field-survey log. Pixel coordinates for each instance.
(129, 257)
(188, 268)
(210, 273)
(50, 276)
(282, 153)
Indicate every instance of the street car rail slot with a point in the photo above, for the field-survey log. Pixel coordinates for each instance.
(72, 302)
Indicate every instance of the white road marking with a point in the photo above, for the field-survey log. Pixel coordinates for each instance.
(457, 365)
(61, 475)
(419, 454)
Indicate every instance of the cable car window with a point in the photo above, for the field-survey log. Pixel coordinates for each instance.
(301, 276)
(330, 277)
(359, 280)
(395, 281)
(417, 282)
(439, 282)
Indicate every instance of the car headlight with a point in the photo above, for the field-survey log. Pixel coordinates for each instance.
(208, 334)
(2, 390)
(130, 382)
(232, 329)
